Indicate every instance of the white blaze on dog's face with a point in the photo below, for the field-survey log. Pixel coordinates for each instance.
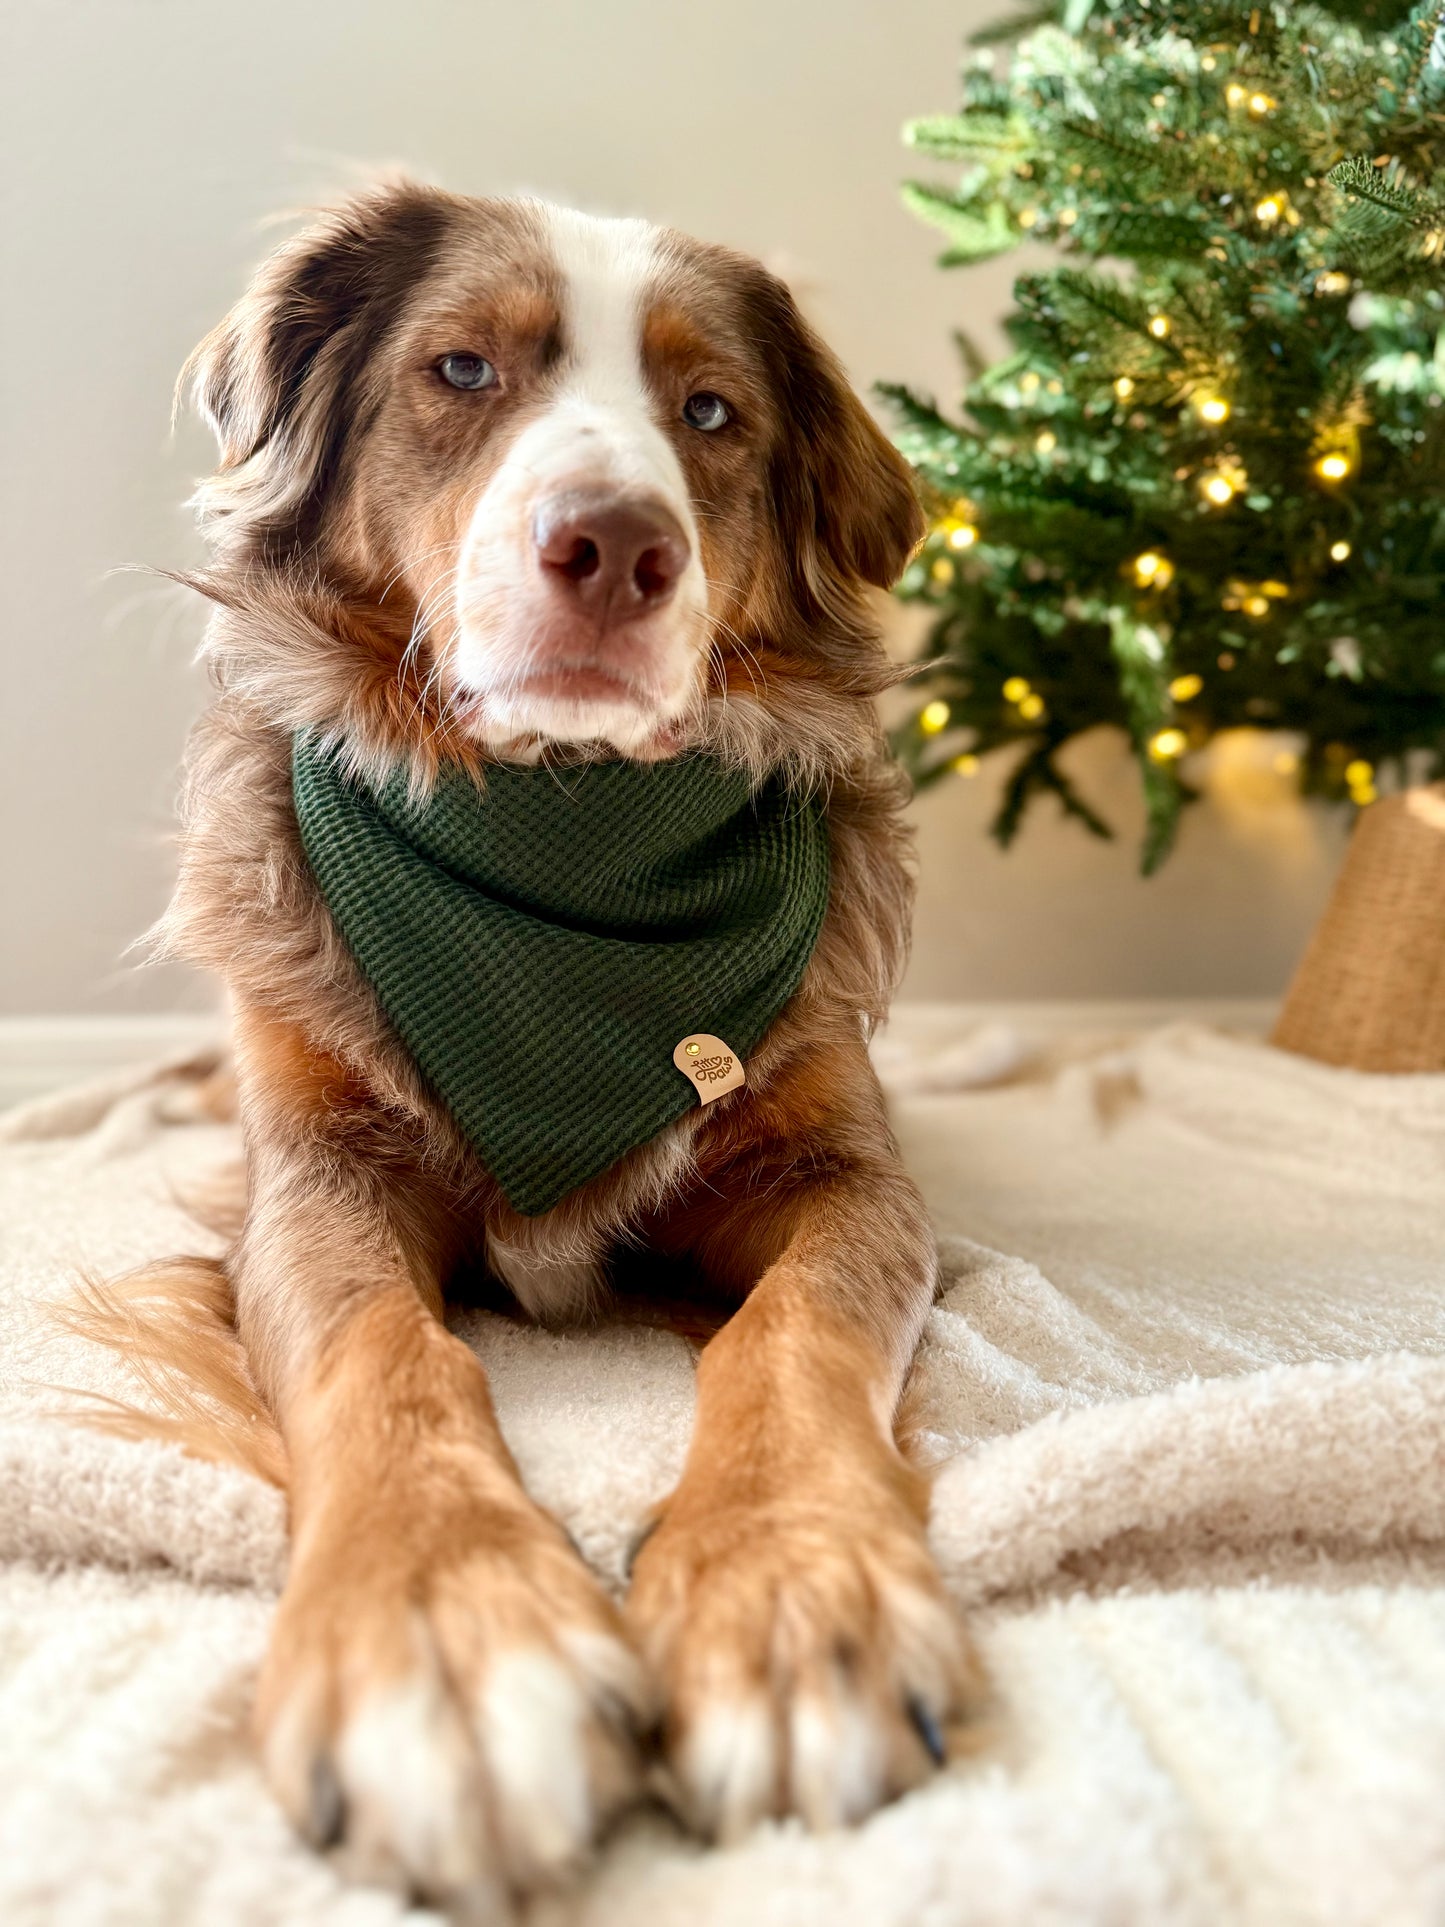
(581, 599)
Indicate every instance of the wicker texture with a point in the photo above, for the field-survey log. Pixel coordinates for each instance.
(542, 944)
(1370, 990)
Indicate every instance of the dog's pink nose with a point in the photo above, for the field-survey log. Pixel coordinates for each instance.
(618, 557)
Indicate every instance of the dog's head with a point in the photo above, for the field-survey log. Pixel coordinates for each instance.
(594, 473)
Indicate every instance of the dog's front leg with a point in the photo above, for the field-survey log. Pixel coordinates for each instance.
(448, 1693)
(809, 1659)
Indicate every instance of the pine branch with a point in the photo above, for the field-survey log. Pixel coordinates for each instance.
(1014, 26)
(1418, 43)
(972, 236)
(1363, 181)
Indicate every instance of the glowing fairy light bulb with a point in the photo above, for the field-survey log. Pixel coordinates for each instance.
(965, 765)
(962, 537)
(1235, 94)
(934, 717)
(1152, 570)
(1123, 388)
(1340, 551)
(1167, 744)
(1031, 707)
(1333, 467)
(1213, 409)
(1262, 104)
(1268, 211)
(1016, 688)
(1159, 326)
(1046, 441)
(1218, 489)
(1185, 688)
(1360, 775)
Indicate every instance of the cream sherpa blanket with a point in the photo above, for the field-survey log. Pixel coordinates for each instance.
(1185, 1392)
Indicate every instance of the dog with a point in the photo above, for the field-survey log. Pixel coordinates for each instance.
(506, 486)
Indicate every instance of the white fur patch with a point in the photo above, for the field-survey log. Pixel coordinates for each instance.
(531, 1730)
(595, 434)
(838, 1753)
(729, 1766)
(553, 1288)
(410, 1777)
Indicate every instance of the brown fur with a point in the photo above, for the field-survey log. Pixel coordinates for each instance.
(790, 1562)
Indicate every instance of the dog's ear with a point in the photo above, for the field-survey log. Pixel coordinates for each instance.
(280, 380)
(844, 497)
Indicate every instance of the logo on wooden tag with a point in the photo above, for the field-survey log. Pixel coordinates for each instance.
(710, 1065)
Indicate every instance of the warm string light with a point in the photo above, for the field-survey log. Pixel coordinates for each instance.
(1333, 467)
(1019, 691)
(1254, 598)
(942, 572)
(1160, 326)
(1213, 409)
(1046, 441)
(1167, 744)
(1124, 387)
(1339, 551)
(934, 717)
(965, 765)
(1268, 211)
(1152, 570)
(1219, 488)
(1360, 776)
(1184, 689)
(1332, 282)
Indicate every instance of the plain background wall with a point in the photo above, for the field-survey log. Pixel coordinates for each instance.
(142, 143)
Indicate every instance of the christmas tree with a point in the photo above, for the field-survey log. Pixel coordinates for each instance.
(1207, 488)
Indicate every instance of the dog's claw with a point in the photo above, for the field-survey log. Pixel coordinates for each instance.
(327, 1815)
(929, 1732)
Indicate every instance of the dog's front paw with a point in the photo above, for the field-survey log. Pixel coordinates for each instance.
(455, 1711)
(809, 1660)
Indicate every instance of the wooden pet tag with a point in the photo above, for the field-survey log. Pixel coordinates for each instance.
(710, 1065)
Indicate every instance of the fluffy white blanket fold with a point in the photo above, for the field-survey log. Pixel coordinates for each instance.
(1184, 1391)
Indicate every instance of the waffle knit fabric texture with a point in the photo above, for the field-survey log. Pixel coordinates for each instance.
(543, 941)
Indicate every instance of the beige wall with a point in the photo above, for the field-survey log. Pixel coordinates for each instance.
(143, 140)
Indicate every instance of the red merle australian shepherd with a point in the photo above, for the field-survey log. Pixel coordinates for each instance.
(425, 403)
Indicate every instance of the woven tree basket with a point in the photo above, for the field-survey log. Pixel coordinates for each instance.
(1370, 989)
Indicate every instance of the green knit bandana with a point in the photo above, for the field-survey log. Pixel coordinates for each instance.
(543, 944)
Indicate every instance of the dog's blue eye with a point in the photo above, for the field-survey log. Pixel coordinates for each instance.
(467, 371)
(705, 411)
